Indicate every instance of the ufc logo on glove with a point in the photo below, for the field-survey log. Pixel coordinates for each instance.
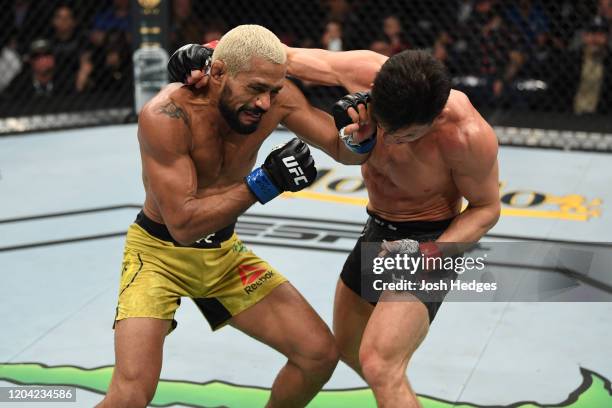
(295, 168)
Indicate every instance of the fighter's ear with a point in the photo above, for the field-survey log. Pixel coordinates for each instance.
(217, 70)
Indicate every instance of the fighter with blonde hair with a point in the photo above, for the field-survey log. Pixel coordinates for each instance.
(198, 147)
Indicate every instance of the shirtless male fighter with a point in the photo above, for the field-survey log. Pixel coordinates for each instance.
(198, 147)
(430, 150)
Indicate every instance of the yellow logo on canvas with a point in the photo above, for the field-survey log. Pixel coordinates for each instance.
(515, 203)
(535, 204)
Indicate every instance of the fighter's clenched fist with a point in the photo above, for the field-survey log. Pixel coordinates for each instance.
(289, 167)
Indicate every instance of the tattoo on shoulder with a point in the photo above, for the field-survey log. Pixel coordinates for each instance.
(174, 111)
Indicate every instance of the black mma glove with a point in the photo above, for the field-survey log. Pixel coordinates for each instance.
(288, 167)
(342, 120)
(188, 58)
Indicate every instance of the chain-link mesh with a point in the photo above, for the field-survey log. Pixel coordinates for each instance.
(528, 56)
(543, 56)
(64, 56)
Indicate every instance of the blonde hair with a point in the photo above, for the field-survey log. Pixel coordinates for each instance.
(240, 44)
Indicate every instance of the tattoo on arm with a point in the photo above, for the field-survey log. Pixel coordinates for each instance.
(174, 111)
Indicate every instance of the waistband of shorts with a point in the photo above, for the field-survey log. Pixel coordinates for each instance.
(160, 231)
(424, 226)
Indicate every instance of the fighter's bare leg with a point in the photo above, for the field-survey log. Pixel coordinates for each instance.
(351, 315)
(286, 322)
(395, 330)
(138, 360)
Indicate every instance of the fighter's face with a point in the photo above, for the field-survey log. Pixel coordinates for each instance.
(246, 97)
(405, 134)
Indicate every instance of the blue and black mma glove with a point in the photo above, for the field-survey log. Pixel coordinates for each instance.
(342, 120)
(288, 167)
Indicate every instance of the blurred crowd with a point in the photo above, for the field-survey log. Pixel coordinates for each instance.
(52, 52)
(522, 54)
(532, 55)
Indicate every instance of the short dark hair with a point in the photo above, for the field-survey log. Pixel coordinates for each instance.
(412, 87)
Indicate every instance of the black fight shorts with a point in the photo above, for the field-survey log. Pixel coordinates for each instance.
(378, 229)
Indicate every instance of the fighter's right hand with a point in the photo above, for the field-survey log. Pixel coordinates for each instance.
(288, 167)
(190, 64)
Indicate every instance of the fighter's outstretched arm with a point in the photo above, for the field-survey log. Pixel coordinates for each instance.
(170, 173)
(354, 70)
(314, 126)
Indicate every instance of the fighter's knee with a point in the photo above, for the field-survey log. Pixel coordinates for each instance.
(131, 391)
(378, 370)
(321, 356)
(327, 354)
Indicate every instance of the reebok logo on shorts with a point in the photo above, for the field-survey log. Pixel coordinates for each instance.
(249, 273)
(253, 276)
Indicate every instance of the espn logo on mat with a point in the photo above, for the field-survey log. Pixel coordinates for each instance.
(253, 276)
(295, 169)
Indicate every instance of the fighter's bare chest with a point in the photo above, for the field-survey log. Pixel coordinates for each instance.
(421, 169)
(219, 161)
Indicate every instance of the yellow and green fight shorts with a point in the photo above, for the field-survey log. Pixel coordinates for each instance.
(218, 272)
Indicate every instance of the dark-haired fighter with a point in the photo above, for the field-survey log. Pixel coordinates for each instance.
(431, 149)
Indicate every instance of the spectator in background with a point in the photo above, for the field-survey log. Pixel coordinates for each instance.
(452, 46)
(538, 78)
(486, 57)
(501, 55)
(83, 76)
(25, 18)
(567, 17)
(103, 63)
(66, 41)
(604, 10)
(529, 20)
(39, 80)
(381, 45)
(424, 21)
(542, 50)
(186, 27)
(393, 30)
(336, 10)
(116, 18)
(10, 60)
(591, 70)
(441, 47)
(543, 57)
(354, 25)
(464, 10)
(332, 36)
(112, 74)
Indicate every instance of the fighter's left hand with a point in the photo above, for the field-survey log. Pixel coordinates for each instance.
(354, 121)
